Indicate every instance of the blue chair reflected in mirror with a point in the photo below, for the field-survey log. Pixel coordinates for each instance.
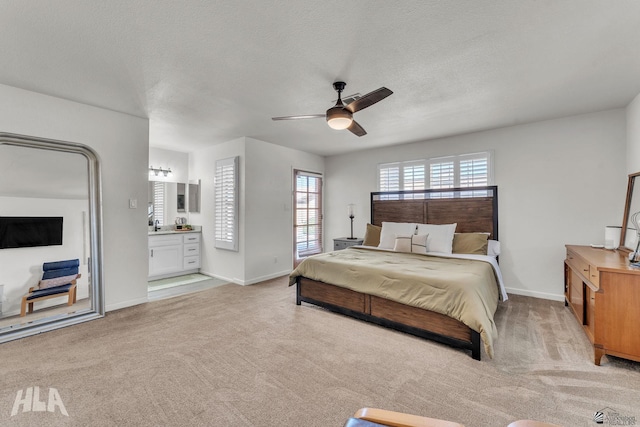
(58, 279)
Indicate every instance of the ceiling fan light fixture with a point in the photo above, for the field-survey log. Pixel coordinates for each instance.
(338, 118)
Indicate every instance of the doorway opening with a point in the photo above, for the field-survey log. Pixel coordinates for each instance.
(307, 215)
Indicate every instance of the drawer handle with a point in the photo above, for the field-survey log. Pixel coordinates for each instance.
(586, 269)
(151, 253)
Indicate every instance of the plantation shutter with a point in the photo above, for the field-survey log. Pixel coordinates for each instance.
(474, 170)
(465, 170)
(413, 178)
(226, 204)
(158, 202)
(441, 173)
(389, 178)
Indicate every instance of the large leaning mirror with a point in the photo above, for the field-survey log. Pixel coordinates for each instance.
(50, 235)
(630, 223)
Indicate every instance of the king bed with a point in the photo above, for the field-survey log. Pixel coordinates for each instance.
(418, 277)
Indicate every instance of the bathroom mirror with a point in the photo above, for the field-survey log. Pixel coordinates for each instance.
(629, 234)
(194, 196)
(42, 178)
(167, 200)
(181, 197)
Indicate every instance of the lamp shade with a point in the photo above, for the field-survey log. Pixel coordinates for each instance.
(351, 209)
(338, 118)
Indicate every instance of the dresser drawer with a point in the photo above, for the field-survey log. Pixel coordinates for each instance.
(191, 262)
(578, 264)
(594, 275)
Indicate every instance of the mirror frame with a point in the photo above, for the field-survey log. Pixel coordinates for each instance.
(627, 206)
(96, 287)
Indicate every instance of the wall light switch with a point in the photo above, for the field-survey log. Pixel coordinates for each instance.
(133, 203)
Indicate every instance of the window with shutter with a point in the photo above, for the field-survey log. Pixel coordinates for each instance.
(226, 204)
(307, 214)
(467, 170)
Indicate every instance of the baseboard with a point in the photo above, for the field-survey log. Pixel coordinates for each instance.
(541, 295)
(125, 304)
(250, 281)
(267, 277)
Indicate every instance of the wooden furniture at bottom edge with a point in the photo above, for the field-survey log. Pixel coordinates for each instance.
(603, 292)
(399, 419)
(416, 321)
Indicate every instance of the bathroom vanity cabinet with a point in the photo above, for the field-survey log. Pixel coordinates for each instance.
(173, 253)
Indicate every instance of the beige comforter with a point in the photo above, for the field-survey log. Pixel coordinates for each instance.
(460, 288)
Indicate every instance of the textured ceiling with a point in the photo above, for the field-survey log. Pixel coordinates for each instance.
(205, 72)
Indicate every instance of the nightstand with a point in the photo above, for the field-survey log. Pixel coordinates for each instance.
(345, 242)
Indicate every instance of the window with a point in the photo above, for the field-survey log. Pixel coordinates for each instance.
(466, 170)
(158, 203)
(401, 176)
(308, 214)
(226, 204)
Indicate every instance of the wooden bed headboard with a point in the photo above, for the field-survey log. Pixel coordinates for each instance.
(474, 209)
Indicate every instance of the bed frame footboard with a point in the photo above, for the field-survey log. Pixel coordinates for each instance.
(390, 314)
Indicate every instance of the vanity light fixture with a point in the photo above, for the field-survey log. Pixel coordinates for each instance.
(157, 171)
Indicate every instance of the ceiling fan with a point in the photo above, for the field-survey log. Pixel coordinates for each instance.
(340, 116)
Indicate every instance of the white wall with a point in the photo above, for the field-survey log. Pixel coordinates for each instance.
(266, 217)
(227, 265)
(122, 143)
(633, 136)
(269, 213)
(559, 182)
(178, 163)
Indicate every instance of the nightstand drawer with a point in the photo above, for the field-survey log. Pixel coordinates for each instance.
(338, 245)
(345, 242)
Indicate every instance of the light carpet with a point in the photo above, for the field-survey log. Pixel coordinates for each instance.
(248, 356)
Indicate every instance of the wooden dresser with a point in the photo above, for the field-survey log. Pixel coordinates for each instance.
(604, 294)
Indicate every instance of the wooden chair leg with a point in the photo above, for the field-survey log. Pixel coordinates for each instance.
(72, 297)
(31, 307)
(23, 307)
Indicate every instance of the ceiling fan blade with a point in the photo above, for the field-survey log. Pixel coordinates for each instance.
(308, 116)
(369, 99)
(356, 129)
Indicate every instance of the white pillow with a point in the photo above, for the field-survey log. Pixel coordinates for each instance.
(419, 243)
(414, 243)
(493, 248)
(389, 231)
(440, 236)
(403, 243)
